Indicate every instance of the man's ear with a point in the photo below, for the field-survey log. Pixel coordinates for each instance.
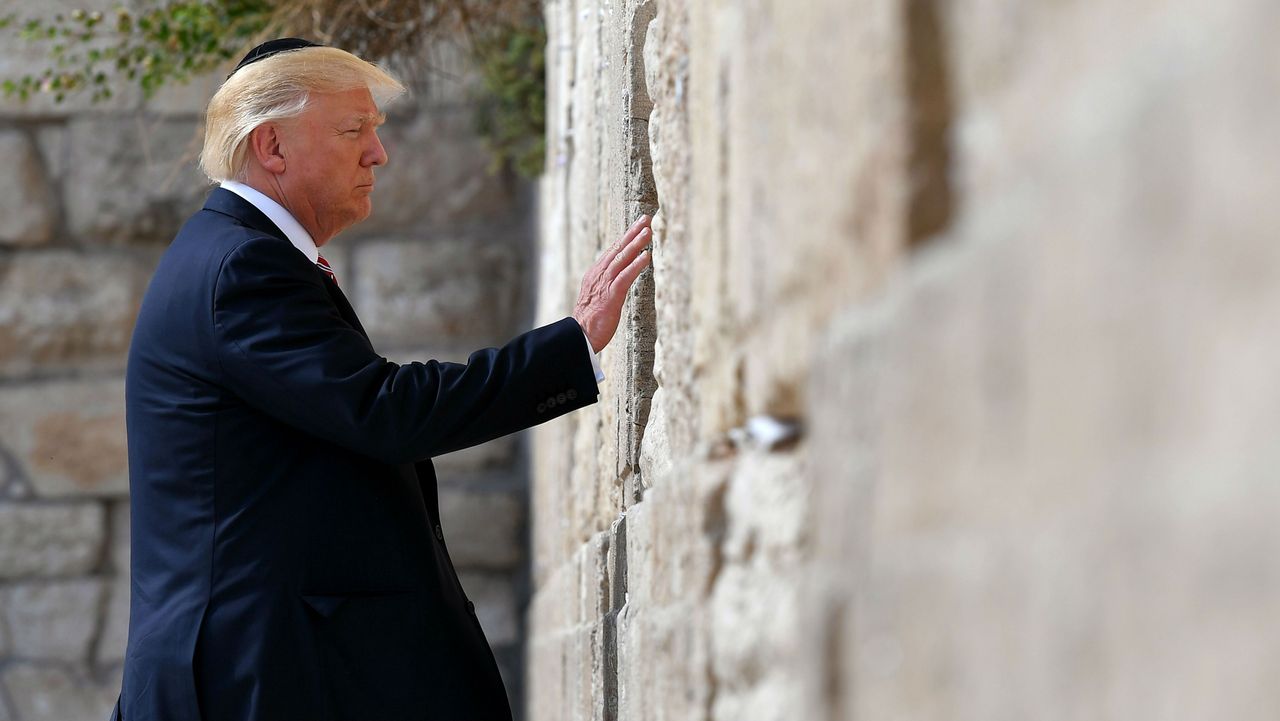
(267, 146)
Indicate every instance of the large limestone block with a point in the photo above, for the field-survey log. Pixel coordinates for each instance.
(764, 598)
(675, 537)
(55, 693)
(52, 620)
(50, 540)
(26, 198)
(132, 179)
(67, 438)
(663, 662)
(483, 529)
(438, 290)
(551, 458)
(67, 309)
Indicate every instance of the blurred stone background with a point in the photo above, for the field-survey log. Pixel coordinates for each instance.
(90, 195)
(952, 393)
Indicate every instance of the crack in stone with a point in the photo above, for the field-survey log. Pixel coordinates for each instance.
(928, 88)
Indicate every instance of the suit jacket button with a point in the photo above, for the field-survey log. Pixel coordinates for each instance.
(571, 394)
(471, 608)
(439, 533)
(562, 398)
(551, 401)
(542, 407)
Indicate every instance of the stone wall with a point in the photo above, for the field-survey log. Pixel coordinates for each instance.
(952, 388)
(89, 197)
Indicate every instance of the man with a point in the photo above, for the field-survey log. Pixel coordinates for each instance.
(288, 555)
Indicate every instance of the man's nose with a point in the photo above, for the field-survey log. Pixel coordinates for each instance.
(375, 154)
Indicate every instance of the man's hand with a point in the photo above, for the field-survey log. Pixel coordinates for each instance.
(605, 286)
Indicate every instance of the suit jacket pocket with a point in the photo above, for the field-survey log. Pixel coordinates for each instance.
(327, 604)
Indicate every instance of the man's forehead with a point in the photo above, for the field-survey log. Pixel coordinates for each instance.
(355, 105)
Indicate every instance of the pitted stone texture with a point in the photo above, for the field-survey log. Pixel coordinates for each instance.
(67, 309)
(57, 693)
(482, 528)
(566, 647)
(52, 620)
(463, 289)
(68, 438)
(26, 199)
(37, 539)
(495, 600)
(132, 179)
(673, 560)
(565, 690)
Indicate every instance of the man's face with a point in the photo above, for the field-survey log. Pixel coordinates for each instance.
(330, 152)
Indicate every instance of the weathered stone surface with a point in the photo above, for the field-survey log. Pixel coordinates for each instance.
(53, 140)
(495, 600)
(68, 438)
(26, 198)
(452, 79)
(482, 528)
(189, 98)
(50, 540)
(114, 637)
(461, 289)
(132, 179)
(20, 57)
(68, 309)
(1034, 398)
(55, 693)
(113, 640)
(52, 620)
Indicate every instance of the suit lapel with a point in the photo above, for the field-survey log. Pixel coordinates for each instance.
(228, 203)
(344, 306)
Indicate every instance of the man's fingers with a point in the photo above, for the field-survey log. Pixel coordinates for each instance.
(631, 272)
(628, 253)
(636, 228)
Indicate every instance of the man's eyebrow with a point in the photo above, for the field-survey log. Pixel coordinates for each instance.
(363, 118)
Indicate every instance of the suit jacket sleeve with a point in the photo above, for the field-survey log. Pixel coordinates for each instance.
(284, 349)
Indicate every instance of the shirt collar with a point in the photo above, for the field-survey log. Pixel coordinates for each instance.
(276, 213)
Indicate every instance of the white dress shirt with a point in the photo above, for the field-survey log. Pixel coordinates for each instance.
(302, 240)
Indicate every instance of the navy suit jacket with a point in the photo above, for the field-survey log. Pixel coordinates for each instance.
(288, 557)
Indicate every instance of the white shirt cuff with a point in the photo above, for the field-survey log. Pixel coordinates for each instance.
(595, 358)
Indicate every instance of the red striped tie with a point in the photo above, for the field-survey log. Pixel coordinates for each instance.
(324, 265)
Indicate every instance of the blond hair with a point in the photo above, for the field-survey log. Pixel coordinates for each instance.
(276, 88)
